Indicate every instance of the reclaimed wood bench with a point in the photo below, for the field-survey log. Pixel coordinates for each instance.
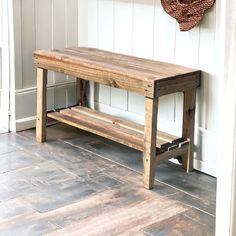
(149, 78)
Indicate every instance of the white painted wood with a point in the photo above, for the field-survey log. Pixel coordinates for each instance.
(83, 22)
(59, 30)
(71, 23)
(123, 36)
(43, 28)
(92, 39)
(28, 42)
(17, 44)
(164, 37)
(42, 24)
(5, 75)
(123, 26)
(226, 73)
(143, 25)
(106, 42)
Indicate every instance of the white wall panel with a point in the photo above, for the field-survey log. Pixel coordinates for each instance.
(28, 42)
(42, 24)
(43, 27)
(105, 41)
(71, 23)
(18, 44)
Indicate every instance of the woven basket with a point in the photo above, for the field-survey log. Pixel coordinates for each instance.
(188, 13)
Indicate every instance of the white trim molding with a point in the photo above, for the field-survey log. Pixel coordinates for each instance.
(58, 95)
(226, 185)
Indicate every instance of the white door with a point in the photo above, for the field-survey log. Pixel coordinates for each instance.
(4, 66)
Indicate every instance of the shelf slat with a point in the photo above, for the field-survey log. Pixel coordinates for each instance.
(123, 131)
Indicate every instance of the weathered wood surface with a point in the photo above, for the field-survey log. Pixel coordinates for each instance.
(149, 142)
(41, 116)
(114, 128)
(81, 92)
(126, 72)
(188, 126)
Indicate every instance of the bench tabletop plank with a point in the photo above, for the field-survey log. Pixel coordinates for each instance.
(121, 71)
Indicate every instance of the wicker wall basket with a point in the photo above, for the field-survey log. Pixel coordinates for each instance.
(188, 13)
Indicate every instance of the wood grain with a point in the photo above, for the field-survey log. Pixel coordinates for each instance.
(120, 130)
(117, 70)
(41, 105)
(149, 148)
(188, 126)
(81, 92)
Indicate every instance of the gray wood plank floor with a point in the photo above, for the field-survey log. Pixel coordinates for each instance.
(80, 184)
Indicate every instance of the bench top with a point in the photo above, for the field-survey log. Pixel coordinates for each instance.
(121, 71)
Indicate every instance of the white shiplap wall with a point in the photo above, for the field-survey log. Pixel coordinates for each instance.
(41, 24)
(134, 27)
(142, 28)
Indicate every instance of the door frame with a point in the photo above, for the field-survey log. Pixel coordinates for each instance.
(226, 182)
(6, 51)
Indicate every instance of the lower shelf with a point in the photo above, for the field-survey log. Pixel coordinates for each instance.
(122, 131)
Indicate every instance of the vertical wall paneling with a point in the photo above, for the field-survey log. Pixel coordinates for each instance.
(106, 42)
(17, 44)
(123, 23)
(164, 50)
(92, 40)
(72, 23)
(83, 21)
(186, 53)
(42, 24)
(28, 42)
(207, 61)
(59, 29)
(143, 35)
(71, 41)
(43, 27)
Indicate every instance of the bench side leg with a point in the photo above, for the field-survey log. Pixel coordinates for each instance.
(81, 92)
(150, 131)
(41, 116)
(188, 127)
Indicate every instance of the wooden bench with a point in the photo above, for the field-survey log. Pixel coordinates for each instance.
(149, 78)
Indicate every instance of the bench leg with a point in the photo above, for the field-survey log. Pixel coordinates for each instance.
(149, 152)
(188, 127)
(41, 116)
(81, 92)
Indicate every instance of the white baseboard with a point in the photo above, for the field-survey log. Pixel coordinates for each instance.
(4, 116)
(24, 124)
(58, 95)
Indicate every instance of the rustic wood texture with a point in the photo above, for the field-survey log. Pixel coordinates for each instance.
(120, 71)
(146, 77)
(81, 92)
(41, 116)
(188, 126)
(149, 144)
(63, 188)
(188, 13)
(111, 127)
